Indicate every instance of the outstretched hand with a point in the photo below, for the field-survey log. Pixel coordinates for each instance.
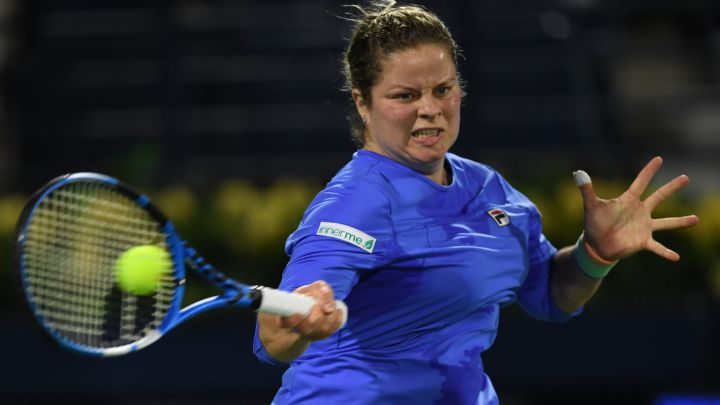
(622, 226)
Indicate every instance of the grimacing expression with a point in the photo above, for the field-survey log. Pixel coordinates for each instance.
(414, 116)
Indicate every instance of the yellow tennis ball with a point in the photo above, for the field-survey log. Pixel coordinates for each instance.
(139, 269)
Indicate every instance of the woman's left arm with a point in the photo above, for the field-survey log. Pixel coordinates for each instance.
(614, 229)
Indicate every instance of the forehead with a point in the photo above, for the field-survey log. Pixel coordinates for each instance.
(419, 63)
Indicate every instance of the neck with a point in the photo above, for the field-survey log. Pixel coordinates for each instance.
(439, 172)
(443, 176)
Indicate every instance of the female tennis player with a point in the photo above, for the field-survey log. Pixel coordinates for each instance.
(425, 246)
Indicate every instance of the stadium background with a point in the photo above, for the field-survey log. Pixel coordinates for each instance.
(228, 114)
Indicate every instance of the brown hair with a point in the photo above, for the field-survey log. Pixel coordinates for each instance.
(380, 29)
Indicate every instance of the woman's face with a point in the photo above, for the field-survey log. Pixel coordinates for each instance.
(414, 117)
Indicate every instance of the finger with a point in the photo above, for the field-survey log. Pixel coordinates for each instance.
(310, 324)
(324, 317)
(660, 250)
(645, 176)
(318, 325)
(582, 179)
(290, 322)
(662, 224)
(334, 321)
(321, 293)
(309, 289)
(325, 291)
(315, 316)
(666, 191)
(329, 307)
(320, 290)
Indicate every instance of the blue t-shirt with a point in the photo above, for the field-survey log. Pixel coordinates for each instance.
(424, 270)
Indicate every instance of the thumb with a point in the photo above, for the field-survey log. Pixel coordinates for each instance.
(582, 179)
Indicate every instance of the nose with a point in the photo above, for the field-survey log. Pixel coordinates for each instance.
(429, 107)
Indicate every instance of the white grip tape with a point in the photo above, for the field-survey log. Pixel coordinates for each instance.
(283, 303)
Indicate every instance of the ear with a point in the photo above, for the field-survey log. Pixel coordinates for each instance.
(360, 104)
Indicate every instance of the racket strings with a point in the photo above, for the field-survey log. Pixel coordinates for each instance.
(73, 241)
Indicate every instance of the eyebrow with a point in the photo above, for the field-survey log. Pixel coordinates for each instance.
(453, 80)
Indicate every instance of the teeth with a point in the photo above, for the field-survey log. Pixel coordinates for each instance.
(426, 132)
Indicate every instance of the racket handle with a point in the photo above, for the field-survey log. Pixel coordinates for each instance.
(284, 303)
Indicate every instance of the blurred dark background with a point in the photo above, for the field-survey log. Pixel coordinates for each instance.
(229, 115)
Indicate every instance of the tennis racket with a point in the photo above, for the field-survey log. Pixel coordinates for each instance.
(70, 235)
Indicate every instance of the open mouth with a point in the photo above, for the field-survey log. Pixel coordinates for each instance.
(428, 136)
(425, 133)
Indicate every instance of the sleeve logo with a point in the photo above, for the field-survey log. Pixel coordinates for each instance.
(500, 217)
(347, 234)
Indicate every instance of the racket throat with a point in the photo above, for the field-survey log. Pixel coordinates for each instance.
(255, 296)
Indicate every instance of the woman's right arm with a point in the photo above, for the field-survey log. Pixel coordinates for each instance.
(287, 338)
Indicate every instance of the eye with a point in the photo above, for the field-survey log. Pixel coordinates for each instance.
(442, 90)
(404, 96)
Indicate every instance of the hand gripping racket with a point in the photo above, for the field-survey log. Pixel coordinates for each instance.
(70, 235)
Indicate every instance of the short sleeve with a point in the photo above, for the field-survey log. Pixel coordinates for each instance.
(344, 233)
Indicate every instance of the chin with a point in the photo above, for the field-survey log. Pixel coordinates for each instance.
(430, 157)
(428, 164)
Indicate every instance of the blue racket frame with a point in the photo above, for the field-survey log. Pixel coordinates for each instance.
(235, 293)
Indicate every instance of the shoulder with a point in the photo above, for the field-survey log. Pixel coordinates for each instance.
(472, 173)
(353, 194)
(353, 202)
(493, 185)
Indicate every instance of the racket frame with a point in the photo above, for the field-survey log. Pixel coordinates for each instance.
(256, 298)
(234, 293)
